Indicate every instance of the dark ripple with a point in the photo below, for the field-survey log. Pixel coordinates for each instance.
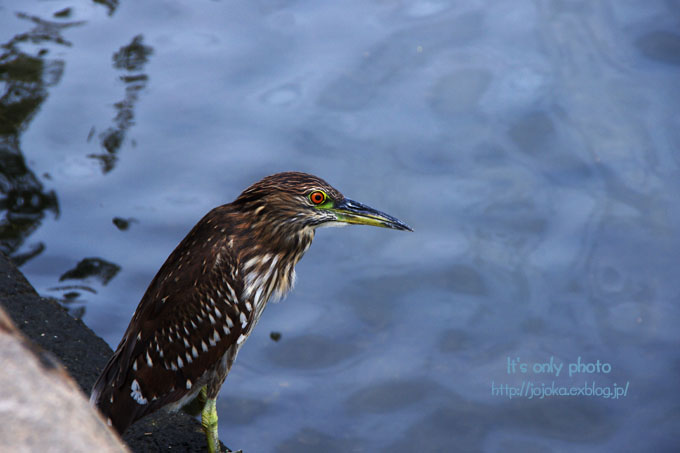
(533, 133)
(461, 425)
(373, 299)
(459, 92)
(388, 396)
(240, 411)
(661, 46)
(309, 352)
(394, 56)
(313, 441)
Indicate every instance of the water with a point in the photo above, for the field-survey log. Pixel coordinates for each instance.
(531, 145)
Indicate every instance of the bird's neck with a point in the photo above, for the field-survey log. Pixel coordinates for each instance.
(268, 269)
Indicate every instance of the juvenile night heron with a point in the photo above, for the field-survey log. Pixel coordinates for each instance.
(210, 293)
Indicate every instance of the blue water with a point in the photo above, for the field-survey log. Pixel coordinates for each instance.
(532, 146)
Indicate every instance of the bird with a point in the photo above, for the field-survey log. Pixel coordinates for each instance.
(210, 293)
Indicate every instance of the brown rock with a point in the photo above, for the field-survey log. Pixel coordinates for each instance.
(41, 407)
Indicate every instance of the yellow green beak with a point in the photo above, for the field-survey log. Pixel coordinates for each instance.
(350, 211)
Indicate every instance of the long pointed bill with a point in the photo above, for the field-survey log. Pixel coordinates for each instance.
(349, 211)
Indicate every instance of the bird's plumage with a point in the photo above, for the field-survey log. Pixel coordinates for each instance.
(210, 292)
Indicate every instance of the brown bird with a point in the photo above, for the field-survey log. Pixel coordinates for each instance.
(211, 291)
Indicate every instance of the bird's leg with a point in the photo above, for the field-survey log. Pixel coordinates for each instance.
(209, 423)
(195, 406)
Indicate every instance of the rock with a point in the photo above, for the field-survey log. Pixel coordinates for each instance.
(41, 408)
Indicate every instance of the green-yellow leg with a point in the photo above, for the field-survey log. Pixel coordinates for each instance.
(195, 406)
(209, 423)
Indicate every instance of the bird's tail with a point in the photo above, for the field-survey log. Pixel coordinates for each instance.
(109, 396)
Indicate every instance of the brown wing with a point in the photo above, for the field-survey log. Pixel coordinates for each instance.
(187, 320)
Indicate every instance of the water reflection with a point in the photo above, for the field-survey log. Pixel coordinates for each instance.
(24, 201)
(130, 59)
(89, 271)
(97, 268)
(70, 298)
(123, 224)
(110, 5)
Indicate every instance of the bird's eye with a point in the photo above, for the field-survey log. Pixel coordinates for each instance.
(317, 197)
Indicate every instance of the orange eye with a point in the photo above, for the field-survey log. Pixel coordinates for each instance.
(317, 197)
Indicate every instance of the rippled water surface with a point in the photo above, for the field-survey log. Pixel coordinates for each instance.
(533, 146)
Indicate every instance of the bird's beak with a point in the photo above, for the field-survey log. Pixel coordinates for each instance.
(349, 211)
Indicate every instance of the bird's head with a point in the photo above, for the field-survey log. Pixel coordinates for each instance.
(302, 201)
